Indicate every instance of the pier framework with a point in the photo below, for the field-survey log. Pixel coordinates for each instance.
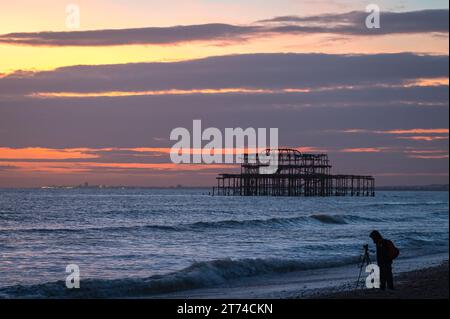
(298, 174)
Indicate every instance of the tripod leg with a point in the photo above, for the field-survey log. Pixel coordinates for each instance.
(365, 261)
(367, 258)
(360, 272)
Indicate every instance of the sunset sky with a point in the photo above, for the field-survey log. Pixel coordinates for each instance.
(97, 104)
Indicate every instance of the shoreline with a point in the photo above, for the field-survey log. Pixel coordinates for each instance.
(307, 284)
(416, 277)
(425, 283)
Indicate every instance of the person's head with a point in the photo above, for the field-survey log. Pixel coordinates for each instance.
(376, 236)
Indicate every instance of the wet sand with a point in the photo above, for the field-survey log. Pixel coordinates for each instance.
(427, 283)
(425, 276)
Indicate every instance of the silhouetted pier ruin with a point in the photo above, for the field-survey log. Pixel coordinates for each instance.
(298, 174)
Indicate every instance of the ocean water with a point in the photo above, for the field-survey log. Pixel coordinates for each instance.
(130, 242)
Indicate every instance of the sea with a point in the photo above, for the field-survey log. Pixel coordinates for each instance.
(134, 242)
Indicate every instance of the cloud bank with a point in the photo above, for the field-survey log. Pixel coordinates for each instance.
(351, 23)
(251, 71)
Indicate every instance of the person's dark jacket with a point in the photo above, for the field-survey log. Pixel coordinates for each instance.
(382, 253)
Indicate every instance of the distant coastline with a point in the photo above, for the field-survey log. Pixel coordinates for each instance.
(433, 187)
(437, 187)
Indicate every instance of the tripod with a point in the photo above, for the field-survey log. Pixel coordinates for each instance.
(364, 261)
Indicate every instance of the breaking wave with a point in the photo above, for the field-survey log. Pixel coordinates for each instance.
(198, 275)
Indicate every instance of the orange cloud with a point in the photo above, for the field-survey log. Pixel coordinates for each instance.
(51, 160)
(310, 149)
(236, 90)
(417, 131)
(356, 130)
(44, 153)
(428, 82)
(361, 150)
(411, 134)
(429, 156)
(143, 93)
(38, 153)
(401, 131)
(426, 151)
(71, 167)
(423, 138)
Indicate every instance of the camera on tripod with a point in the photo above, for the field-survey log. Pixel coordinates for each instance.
(364, 260)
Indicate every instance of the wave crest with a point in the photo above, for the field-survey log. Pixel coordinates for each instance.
(330, 219)
(198, 275)
(204, 225)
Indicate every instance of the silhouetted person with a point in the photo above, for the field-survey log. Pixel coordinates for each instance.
(386, 253)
